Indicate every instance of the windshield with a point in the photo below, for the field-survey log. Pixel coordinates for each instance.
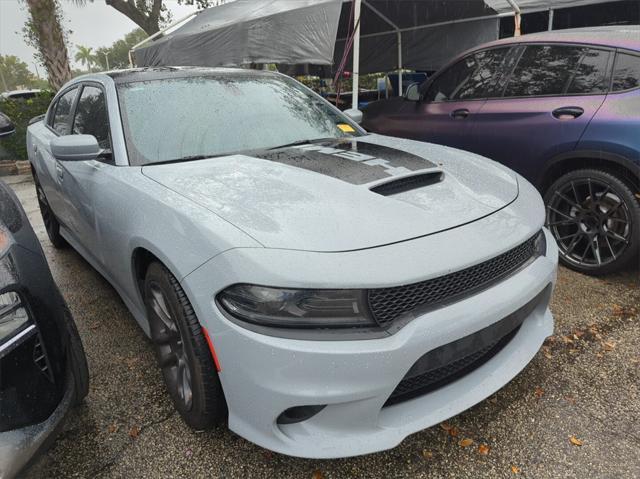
(202, 116)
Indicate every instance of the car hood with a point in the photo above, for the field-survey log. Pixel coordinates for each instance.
(343, 194)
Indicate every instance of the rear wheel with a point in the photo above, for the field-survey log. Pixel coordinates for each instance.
(595, 219)
(51, 223)
(182, 351)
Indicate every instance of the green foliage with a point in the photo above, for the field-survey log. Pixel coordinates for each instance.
(85, 56)
(15, 74)
(21, 111)
(118, 52)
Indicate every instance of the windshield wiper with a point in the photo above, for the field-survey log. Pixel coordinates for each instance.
(183, 158)
(299, 142)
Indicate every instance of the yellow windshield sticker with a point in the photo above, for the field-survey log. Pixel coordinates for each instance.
(346, 128)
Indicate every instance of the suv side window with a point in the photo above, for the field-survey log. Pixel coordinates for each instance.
(591, 75)
(543, 70)
(91, 116)
(470, 78)
(626, 72)
(62, 112)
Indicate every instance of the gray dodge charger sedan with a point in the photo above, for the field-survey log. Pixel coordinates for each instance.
(326, 291)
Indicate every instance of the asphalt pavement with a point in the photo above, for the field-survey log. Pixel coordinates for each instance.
(573, 412)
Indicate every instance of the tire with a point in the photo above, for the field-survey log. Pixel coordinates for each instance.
(595, 219)
(51, 224)
(77, 359)
(182, 351)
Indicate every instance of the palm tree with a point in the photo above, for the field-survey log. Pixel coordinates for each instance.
(85, 56)
(45, 29)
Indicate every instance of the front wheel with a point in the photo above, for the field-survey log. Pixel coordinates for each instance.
(51, 224)
(182, 351)
(595, 220)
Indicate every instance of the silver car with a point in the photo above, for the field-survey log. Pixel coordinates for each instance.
(326, 291)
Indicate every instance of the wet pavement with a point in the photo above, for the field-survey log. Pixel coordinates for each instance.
(573, 412)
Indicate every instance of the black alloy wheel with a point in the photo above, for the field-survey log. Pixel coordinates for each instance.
(595, 220)
(182, 351)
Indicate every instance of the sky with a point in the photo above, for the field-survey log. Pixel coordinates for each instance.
(94, 25)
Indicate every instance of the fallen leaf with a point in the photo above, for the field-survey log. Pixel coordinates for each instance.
(608, 345)
(427, 454)
(515, 469)
(134, 431)
(317, 475)
(547, 353)
(573, 351)
(445, 425)
(483, 449)
(575, 441)
(466, 442)
(453, 431)
(567, 340)
(113, 428)
(539, 392)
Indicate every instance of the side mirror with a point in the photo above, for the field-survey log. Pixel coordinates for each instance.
(7, 128)
(412, 93)
(354, 114)
(75, 148)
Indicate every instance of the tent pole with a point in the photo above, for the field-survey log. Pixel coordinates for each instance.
(516, 17)
(399, 63)
(356, 54)
(550, 26)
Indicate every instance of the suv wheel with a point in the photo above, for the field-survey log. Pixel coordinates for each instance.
(595, 219)
(182, 351)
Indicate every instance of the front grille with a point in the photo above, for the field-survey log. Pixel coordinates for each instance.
(387, 304)
(451, 361)
(411, 387)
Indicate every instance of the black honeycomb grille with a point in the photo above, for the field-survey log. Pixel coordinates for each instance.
(387, 304)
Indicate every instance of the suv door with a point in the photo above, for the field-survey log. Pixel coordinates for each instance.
(449, 101)
(544, 106)
(79, 178)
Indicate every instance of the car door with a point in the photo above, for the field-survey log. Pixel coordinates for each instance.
(545, 105)
(79, 181)
(58, 123)
(450, 101)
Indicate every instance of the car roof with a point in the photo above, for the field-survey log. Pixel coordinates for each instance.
(619, 36)
(159, 73)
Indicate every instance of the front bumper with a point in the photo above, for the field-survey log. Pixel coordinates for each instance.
(19, 447)
(262, 375)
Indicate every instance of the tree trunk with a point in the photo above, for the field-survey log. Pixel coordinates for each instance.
(148, 21)
(50, 40)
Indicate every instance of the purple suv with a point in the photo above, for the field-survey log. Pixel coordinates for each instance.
(561, 108)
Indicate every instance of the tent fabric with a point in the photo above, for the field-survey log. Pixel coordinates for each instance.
(250, 31)
(425, 49)
(427, 41)
(503, 6)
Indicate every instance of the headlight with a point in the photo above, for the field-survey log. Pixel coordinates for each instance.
(13, 315)
(540, 244)
(297, 308)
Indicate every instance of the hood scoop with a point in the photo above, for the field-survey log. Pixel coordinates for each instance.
(408, 183)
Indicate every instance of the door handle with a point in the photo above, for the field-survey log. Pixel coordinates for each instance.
(460, 114)
(567, 112)
(59, 171)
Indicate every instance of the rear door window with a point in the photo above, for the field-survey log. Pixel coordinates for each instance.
(61, 115)
(591, 76)
(626, 72)
(544, 70)
(91, 116)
